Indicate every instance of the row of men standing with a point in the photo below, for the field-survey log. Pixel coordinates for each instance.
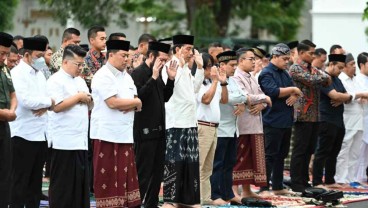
(188, 160)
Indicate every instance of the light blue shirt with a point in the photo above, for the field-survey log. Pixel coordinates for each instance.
(227, 127)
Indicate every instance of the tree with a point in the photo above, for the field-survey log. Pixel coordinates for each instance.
(205, 18)
(6, 14)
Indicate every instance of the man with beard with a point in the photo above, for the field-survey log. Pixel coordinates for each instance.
(8, 104)
(115, 99)
(331, 128)
(149, 124)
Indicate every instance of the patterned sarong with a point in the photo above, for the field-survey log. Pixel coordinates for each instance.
(116, 181)
(250, 165)
(181, 171)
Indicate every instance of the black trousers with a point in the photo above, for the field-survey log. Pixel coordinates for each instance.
(5, 164)
(277, 144)
(69, 180)
(150, 158)
(305, 139)
(47, 163)
(328, 148)
(28, 161)
(223, 165)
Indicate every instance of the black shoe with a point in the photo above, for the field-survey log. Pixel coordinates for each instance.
(298, 188)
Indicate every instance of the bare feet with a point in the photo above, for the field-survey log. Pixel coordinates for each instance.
(333, 186)
(266, 194)
(236, 199)
(321, 186)
(283, 192)
(251, 195)
(168, 205)
(344, 185)
(219, 202)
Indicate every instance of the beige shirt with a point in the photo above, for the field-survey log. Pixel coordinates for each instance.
(247, 123)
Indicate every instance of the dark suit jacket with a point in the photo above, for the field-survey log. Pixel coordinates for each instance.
(150, 122)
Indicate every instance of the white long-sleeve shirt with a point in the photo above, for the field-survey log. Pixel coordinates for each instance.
(363, 83)
(353, 111)
(181, 108)
(30, 88)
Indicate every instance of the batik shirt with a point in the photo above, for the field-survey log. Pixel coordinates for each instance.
(94, 61)
(56, 60)
(308, 79)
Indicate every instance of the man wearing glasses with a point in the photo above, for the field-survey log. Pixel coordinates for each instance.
(68, 132)
(276, 83)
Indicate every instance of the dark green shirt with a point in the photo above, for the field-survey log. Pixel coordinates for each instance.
(6, 87)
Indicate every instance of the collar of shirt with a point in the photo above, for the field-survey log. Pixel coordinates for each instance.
(303, 64)
(174, 58)
(96, 54)
(114, 70)
(66, 73)
(147, 69)
(344, 76)
(242, 73)
(275, 68)
(207, 81)
(61, 50)
(27, 67)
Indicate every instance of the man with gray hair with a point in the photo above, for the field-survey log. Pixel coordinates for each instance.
(276, 83)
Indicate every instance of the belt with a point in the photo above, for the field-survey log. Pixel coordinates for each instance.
(205, 123)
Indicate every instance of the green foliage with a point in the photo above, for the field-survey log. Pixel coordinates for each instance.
(87, 12)
(207, 18)
(6, 14)
(365, 12)
(280, 18)
(167, 19)
(204, 24)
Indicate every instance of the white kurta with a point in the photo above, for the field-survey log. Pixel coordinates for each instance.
(30, 88)
(348, 158)
(181, 108)
(363, 160)
(108, 124)
(67, 130)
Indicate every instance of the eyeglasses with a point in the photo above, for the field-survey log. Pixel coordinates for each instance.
(79, 64)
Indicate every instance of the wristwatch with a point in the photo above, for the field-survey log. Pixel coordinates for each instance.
(224, 84)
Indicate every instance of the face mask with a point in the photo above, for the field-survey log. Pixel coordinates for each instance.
(38, 63)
